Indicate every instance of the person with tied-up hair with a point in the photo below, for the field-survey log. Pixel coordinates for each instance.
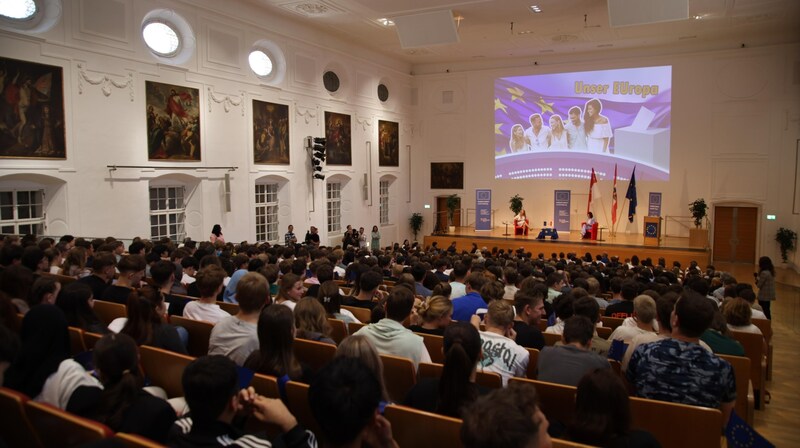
(456, 388)
(121, 403)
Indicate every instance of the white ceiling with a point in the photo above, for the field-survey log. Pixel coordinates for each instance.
(563, 27)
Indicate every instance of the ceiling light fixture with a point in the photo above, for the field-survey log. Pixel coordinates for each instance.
(697, 17)
(536, 9)
(385, 22)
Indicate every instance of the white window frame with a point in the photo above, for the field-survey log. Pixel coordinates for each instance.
(333, 199)
(18, 222)
(383, 201)
(266, 212)
(170, 212)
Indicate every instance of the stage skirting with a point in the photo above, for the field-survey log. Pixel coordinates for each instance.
(621, 246)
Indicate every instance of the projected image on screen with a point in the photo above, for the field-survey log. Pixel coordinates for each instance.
(560, 126)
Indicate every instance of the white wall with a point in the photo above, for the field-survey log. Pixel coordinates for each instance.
(106, 64)
(735, 123)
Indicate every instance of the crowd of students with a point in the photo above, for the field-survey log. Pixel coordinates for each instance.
(487, 305)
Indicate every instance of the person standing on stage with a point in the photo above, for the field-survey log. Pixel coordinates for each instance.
(290, 239)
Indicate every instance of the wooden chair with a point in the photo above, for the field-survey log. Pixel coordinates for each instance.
(557, 401)
(314, 354)
(399, 375)
(362, 314)
(604, 332)
(765, 325)
(297, 402)
(754, 349)
(745, 401)
(164, 368)
(136, 441)
(76, 340)
(561, 443)
(57, 428)
(89, 339)
(435, 346)
(338, 329)
(231, 308)
(266, 385)
(14, 425)
(611, 322)
(489, 380)
(550, 339)
(108, 311)
(419, 429)
(533, 362)
(353, 327)
(199, 333)
(63, 279)
(677, 425)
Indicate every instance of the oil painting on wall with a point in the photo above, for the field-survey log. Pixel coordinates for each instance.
(173, 122)
(270, 133)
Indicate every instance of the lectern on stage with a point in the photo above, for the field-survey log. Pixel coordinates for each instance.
(652, 230)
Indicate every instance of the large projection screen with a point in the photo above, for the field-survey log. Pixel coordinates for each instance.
(561, 125)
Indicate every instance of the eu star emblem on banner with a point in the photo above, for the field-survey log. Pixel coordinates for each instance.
(742, 435)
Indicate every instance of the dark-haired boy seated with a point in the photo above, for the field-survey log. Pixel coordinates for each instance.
(211, 386)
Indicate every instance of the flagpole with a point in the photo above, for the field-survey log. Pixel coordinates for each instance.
(603, 207)
(618, 220)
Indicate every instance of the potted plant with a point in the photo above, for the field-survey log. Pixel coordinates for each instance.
(787, 240)
(698, 208)
(416, 223)
(453, 202)
(515, 204)
(698, 237)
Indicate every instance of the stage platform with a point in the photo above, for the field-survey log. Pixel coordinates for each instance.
(621, 245)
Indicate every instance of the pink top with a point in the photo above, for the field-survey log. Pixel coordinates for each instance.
(213, 238)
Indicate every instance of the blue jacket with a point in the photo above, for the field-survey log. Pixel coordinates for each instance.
(464, 307)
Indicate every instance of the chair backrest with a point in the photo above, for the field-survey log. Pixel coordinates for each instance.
(556, 400)
(136, 441)
(489, 380)
(754, 350)
(744, 393)
(561, 443)
(765, 325)
(611, 322)
(297, 402)
(89, 339)
(551, 338)
(362, 314)
(199, 333)
(674, 424)
(76, 340)
(435, 346)
(231, 308)
(595, 226)
(429, 370)
(108, 311)
(338, 329)
(352, 327)
(399, 376)
(604, 332)
(164, 368)
(419, 429)
(57, 428)
(15, 426)
(533, 362)
(266, 385)
(63, 279)
(314, 354)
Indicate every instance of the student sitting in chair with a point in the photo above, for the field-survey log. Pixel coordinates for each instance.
(586, 228)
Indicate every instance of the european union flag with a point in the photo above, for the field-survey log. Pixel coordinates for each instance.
(742, 435)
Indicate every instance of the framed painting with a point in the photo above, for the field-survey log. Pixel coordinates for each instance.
(447, 176)
(337, 137)
(173, 122)
(270, 133)
(32, 113)
(388, 143)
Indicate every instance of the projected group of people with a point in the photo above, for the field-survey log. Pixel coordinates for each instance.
(585, 130)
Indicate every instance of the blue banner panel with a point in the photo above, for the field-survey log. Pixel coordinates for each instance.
(561, 205)
(483, 209)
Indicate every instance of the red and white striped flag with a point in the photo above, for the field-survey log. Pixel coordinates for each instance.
(594, 192)
(614, 198)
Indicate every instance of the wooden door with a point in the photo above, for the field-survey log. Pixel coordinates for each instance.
(441, 214)
(735, 233)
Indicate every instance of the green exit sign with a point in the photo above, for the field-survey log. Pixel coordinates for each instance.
(770, 217)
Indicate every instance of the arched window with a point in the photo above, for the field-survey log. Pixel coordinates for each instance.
(267, 212)
(168, 36)
(168, 212)
(333, 199)
(22, 212)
